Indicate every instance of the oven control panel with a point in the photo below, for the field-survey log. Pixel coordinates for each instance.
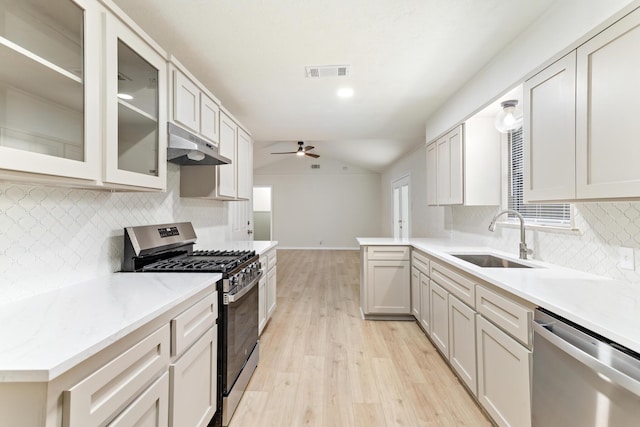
(168, 231)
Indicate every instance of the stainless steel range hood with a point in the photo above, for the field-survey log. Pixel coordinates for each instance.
(185, 148)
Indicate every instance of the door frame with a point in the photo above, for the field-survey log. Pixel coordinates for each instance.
(399, 182)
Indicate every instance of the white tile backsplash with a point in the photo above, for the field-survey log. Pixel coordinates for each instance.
(52, 237)
(602, 229)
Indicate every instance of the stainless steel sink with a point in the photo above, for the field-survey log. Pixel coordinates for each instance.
(489, 261)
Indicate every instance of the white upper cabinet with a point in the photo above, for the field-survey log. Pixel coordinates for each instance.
(49, 84)
(583, 147)
(608, 107)
(192, 105)
(549, 132)
(233, 181)
(432, 175)
(136, 104)
(463, 166)
(227, 183)
(82, 96)
(244, 162)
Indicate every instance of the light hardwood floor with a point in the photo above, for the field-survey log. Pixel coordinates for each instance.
(322, 365)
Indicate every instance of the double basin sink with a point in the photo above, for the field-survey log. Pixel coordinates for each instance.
(490, 261)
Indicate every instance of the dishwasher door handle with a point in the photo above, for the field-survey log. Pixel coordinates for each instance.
(629, 383)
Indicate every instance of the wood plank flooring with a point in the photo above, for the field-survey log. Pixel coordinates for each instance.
(322, 365)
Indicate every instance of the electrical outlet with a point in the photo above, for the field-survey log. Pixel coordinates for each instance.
(627, 259)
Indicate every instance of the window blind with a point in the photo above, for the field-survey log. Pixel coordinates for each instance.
(550, 214)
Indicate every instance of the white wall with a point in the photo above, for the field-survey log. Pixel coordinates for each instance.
(53, 237)
(425, 220)
(321, 208)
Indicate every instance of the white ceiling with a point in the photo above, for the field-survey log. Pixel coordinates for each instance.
(406, 56)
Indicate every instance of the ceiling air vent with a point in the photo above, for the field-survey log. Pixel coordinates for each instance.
(317, 71)
(315, 166)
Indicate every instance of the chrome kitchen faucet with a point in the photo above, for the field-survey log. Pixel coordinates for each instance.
(523, 245)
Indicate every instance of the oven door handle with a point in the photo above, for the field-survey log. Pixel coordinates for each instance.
(603, 369)
(230, 299)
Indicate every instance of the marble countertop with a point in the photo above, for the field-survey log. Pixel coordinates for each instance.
(44, 336)
(608, 307)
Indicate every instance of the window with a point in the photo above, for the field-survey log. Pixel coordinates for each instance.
(548, 214)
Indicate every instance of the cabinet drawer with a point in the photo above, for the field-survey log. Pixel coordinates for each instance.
(512, 317)
(420, 261)
(150, 409)
(460, 286)
(188, 326)
(102, 395)
(389, 253)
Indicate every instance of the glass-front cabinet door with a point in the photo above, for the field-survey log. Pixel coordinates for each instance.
(49, 87)
(135, 121)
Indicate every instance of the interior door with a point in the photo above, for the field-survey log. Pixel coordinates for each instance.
(400, 190)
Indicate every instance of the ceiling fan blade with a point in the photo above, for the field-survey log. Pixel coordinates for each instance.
(287, 152)
(309, 148)
(315, 156)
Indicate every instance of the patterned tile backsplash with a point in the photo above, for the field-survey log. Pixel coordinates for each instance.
(51, 237)
(602, 228)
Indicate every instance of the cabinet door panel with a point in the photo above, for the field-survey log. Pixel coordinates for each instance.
(503, 376)
(432, 174)
(389, 287)
(438, 300)
(194, 383)
(272, 283)
(425, 308)
(462, 342)
(135, 129)
(549, 132)
(186, 108)
(50, 88)
(443, 168)
(244, 168)
(415, 293)
(456, 169)
(607, 124)
(209, 118)
(227, 185)
(262, 304)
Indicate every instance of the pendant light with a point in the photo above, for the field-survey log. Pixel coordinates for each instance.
(509, 117)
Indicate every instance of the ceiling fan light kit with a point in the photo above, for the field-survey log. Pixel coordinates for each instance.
(301, 151)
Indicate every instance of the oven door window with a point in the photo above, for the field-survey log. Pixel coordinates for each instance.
(242, 334)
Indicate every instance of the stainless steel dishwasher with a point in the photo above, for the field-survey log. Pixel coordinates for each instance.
(581, 379)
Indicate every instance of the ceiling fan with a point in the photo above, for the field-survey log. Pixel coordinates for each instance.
(302, 151)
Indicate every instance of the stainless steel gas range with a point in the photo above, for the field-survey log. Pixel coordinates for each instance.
(169, 248)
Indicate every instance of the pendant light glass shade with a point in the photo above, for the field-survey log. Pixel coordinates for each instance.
(509, 117)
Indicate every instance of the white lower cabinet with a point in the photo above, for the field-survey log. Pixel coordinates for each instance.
(425, 308)
(104, 395)
(462, 342)
(194, 383)
(386, 281)
(415, 293)
(271, 291)
(262, 304)
(439, 306)
(504, 368)
(267, 288)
